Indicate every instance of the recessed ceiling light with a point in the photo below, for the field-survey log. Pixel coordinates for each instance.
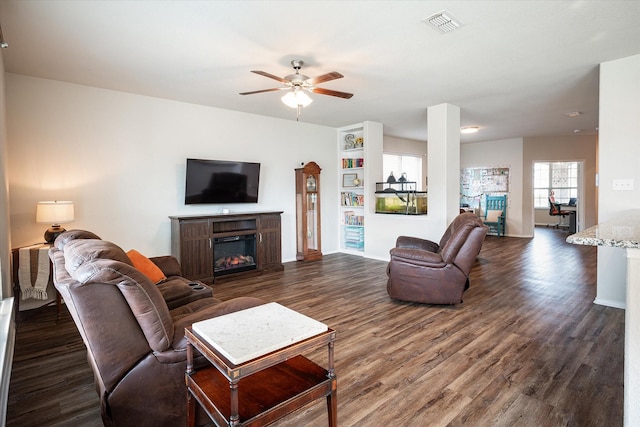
(573, 114)
(469, 129)
(443, 21)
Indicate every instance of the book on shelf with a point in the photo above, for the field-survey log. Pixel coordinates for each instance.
(354, 245)
(356, 239)
(350, 218)
(354, 231)
(352, 199)
(352, 163)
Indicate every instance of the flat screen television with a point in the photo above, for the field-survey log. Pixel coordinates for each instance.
(220, 181)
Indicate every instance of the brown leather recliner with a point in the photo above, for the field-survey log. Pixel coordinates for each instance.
(437, 273)
(135, 343)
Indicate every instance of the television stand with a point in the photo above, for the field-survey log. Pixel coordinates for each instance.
(212, 246)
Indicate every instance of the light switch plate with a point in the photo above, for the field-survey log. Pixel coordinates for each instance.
(622, 185)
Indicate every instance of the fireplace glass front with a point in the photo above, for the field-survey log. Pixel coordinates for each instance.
(234, 254)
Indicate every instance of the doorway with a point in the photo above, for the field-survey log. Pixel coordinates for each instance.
(565, 180)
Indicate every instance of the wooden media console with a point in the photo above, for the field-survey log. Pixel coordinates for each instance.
(211, 246)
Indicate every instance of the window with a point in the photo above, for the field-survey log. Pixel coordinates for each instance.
(559, 177)
(399, 164)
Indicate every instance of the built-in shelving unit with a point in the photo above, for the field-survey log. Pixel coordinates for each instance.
(356, 182)
(351, 181)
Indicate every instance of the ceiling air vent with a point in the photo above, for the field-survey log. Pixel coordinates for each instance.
(443, 21)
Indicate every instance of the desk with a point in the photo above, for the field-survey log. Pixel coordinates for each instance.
(573, 213)
(263, 388)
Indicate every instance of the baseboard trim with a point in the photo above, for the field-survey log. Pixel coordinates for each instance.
(610, 303)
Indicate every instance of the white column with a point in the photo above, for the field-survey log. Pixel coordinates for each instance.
(618, 154)
(443, 160)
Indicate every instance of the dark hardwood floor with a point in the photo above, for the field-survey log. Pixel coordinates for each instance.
(527, 347)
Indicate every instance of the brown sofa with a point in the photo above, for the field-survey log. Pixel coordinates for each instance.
(437, 273)
(135, 341)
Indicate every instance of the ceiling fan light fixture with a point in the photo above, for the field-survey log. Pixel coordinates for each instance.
(296, 98)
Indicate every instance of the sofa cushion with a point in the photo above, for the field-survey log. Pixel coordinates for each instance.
(418, 257)
(409, 242)
(79, 252)
(458, 231)
(143, 297)
(192, 307)
(174, 288)
(70, 235)
(493, 215)
(146, 266)
(168, 264)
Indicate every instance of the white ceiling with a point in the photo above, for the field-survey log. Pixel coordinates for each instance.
(514, 68)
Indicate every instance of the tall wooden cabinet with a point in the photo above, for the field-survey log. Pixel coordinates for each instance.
(197, 242)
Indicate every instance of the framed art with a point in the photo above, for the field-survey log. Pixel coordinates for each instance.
(348, 178)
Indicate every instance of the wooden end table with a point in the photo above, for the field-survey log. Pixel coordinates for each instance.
(258, 391)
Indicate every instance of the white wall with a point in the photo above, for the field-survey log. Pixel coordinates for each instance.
(7, 315)
(502, 153)
(5, 232)
(121, 158)
(619, 145)
(619, 158)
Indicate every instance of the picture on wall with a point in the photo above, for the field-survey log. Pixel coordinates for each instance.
(475, 183)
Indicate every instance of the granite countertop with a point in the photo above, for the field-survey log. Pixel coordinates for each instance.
(621, 232)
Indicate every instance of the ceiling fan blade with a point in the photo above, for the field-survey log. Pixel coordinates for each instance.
(323, 91)
(271, 76)
(324, 78)
(263, 90)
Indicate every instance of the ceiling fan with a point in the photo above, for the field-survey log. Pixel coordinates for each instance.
(297, 83)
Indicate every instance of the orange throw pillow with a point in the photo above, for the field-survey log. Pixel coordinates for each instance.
(146, 266)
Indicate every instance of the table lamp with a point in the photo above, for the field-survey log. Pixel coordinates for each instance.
(55, 213)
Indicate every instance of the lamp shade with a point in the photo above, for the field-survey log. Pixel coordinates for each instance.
(54, 212)
(295, 98)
